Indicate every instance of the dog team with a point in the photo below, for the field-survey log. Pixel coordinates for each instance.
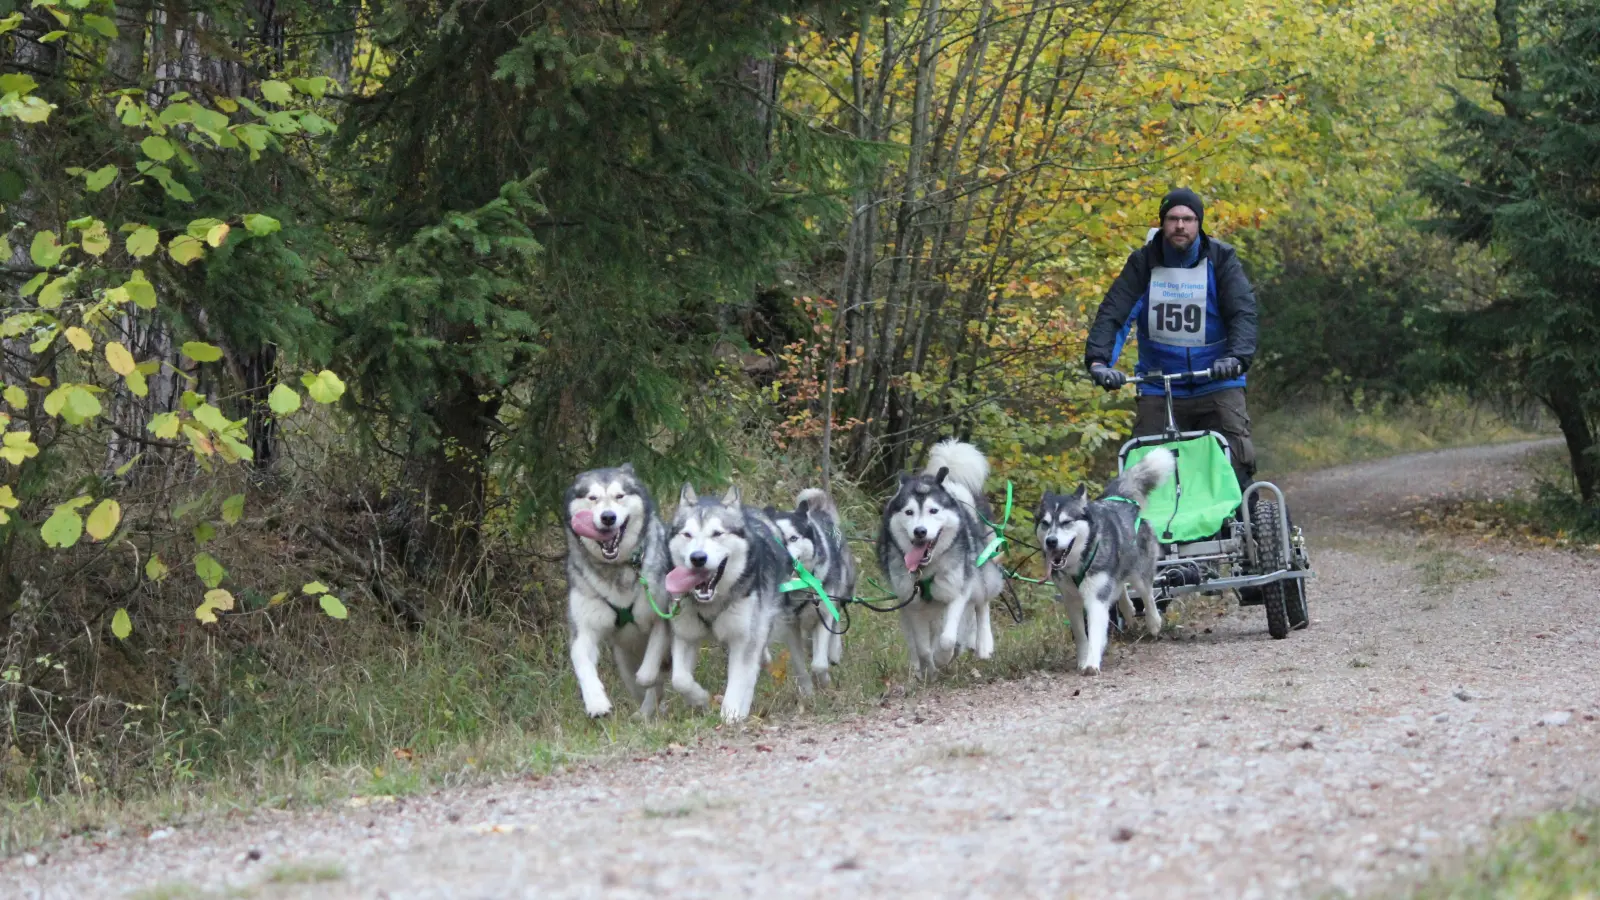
(655, 592)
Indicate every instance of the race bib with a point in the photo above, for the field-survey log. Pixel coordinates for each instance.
(1177, 306)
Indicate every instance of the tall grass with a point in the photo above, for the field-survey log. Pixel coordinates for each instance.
(1332, 431)
(1552, 857)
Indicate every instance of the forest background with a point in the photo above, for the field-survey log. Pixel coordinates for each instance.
(314, 307)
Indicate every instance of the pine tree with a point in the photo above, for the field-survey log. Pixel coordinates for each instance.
(1528, 184)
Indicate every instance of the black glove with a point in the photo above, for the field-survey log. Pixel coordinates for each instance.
(1226, 368)
(1107, 377)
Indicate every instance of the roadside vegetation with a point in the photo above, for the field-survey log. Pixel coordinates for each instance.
(313, 308)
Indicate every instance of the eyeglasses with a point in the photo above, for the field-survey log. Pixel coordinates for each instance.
(1182, 220)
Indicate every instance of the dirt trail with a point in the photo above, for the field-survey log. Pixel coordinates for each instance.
(1219, 763)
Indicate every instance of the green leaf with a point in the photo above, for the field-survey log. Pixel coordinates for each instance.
(103, 521)
(17, 83)
(260, 225)
(201, 352)
(157, 148)
(30, 109)
(101, 178)
(155, 569)
(284, 400)
(46, 250)
(16, 396)
(205, 532)
(81, 406)
(101, 24)
(54, 293)
(210, 571)
(137, 384)
(315, 87)
(142, 292)
(143, 241)
(63, 528)
(121, 626)
(51, 37)
(185, 249)
(164, 425)
(233, 509)
(34, 283)
(199, 228)
(211, 122)
(127, 467)
(324, 387)
(314, 588)
(276, 92)
(331, 605)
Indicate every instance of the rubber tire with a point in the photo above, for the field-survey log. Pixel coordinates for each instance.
(1295, 605)
(1265, 522)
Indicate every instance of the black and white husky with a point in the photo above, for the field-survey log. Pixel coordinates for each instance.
(931, 536)
(727, 563)
(1093, 549)
(813, 535)
(614, 540)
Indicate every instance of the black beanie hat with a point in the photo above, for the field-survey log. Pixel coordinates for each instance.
(1184, 197)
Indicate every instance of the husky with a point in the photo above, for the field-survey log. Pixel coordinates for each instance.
(1093, 549)
(812, 534)
(616, 562)
(932, 532)
(727, 562)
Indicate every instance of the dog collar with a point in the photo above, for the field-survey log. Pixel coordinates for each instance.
(1088, 560)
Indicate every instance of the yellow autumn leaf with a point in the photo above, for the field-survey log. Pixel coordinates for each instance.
(118, 357)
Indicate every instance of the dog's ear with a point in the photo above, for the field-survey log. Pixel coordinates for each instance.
(687, 496)
(905, 479)
(802, 508)
(1082, 494)
(627, 468)
(939, 478)
(732, 497)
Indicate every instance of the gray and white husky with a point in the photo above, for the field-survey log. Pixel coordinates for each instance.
(616, 545)
(813, 535)
(726, 567)
(931, 535)
(1093, 549)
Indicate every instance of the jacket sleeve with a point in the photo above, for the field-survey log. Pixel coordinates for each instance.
(1115, 308)
(1237, 303)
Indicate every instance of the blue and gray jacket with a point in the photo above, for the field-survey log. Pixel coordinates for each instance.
(1227, 327)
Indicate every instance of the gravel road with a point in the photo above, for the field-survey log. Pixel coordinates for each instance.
(1443, 687)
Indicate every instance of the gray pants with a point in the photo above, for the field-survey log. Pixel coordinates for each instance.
(1220, 411)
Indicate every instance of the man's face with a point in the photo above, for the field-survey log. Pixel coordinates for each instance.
(1180, 227)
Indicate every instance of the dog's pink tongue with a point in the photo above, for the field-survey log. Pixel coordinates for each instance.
(915, 556)
(583, 525)
(682, 580)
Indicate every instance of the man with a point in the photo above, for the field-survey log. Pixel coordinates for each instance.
(1194, 310)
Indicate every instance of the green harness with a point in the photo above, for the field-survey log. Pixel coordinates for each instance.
(804, 580)
(1094, 548)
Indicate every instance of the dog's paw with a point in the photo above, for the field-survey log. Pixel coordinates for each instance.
(1089, 670)
(695, 695)
(822, 678)
(646, 679)
(598, 710)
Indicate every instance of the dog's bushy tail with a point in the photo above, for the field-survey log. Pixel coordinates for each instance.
(819, 501)
(1147, 475)
(967, 466)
